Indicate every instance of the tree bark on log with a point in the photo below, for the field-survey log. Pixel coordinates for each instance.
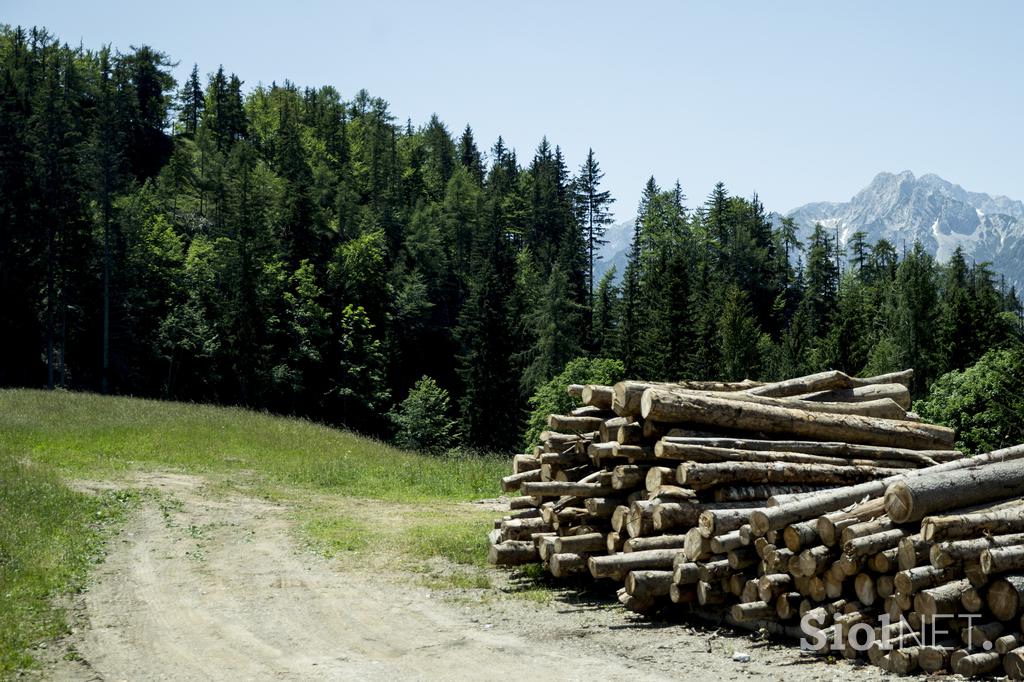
(648, 584)
(670, 515)
(654, 542)
(800, 535)
(913, 499)
(672, 493)
(824, 448)
(826, 381)
(618, 565)
(523, 502)
(515, 481)
(778, 517)
(599, 452)
(954, 552)
(588, 411)
(719, 521)
(616, 542)
(944, 599)
(659, 476)
(971, 600)
(1007, 643)
(566, 488)
(701, 476)
(863, 528)
(772, 585)
(1002, 559)
(816, 560)
(1005, 596)
(885, 561)
(602, 507)
(569, 424)
(640, 519)
(628, 476)
(563, 565)
(554, 438)
(866, 546)
(702, 453)
(609, 430)
(898, 393)
(753, 611)
(954, 526)
(587, 543)
(571, 474)
(630, 433)
(831, 526)
(914, 580)
(597, 396)
(933, 659)
(696, 547)
(1013, 664)
(512, 553)
(522, 529)
(883, 408)
(521, 463)
(626, 395)
(977, 664)
(757, 492)
(669, 406)
(633, 452)
(912, 552)
(715, 571)
(720, 544)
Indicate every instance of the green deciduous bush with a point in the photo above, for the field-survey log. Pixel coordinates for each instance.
(984, 403)
(551, 397)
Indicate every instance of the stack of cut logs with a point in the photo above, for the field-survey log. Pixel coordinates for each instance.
(817, 508)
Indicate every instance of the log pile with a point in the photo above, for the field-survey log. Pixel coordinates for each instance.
(816, 508)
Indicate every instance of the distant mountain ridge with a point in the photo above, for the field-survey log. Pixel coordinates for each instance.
(616, 251)
(941, 215)
(903, 209)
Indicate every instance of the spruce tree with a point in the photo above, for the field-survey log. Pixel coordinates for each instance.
(605, 331)
(555, 325)
(191, 103)
(470, 157)
(592, 210)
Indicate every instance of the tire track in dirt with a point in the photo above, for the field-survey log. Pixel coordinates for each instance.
(216, 588)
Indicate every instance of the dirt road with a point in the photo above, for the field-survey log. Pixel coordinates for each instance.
(199, 586)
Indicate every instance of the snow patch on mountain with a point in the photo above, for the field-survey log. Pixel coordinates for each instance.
(941, 215)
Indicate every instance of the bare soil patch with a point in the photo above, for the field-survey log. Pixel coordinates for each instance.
(204, 586)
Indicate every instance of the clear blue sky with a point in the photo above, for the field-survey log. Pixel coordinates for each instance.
(799, 101)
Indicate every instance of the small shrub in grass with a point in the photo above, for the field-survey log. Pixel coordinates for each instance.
(551, 398)
(422, 419)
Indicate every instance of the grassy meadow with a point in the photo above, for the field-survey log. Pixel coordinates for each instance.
(338, 485)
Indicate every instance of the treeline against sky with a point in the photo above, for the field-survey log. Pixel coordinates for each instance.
(285, 248)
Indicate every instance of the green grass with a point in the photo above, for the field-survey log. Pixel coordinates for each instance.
(332, 535)
(91, 436)
(49, 537)
(51, 534)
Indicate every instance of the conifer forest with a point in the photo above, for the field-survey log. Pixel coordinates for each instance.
(311, 252)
